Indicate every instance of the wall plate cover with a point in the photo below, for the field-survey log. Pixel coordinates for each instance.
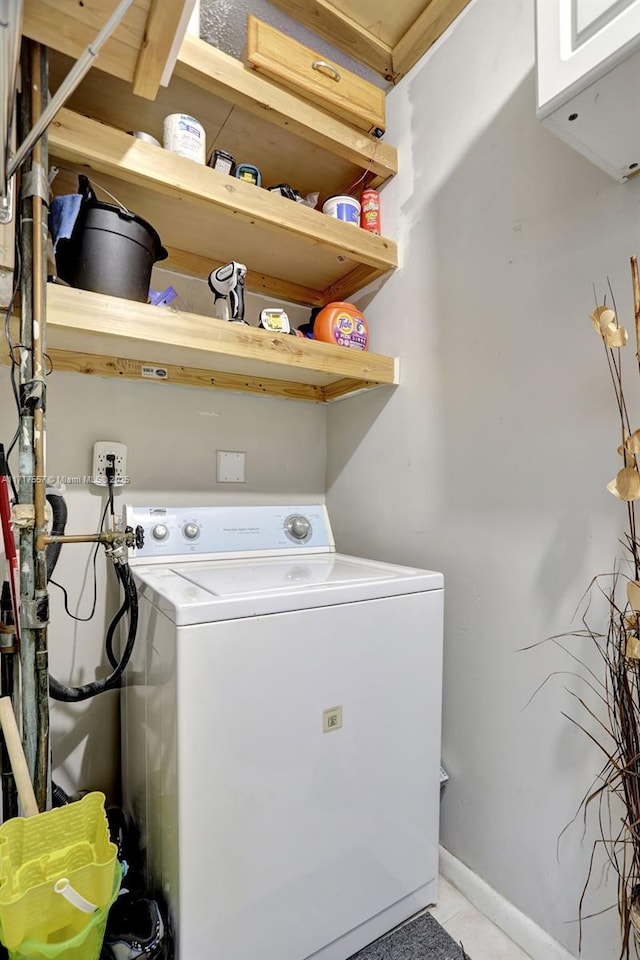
(230, 466)
(100, 463)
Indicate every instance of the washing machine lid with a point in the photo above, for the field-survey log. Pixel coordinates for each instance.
(191, 592)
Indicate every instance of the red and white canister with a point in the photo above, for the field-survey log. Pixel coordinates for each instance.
(370, 211)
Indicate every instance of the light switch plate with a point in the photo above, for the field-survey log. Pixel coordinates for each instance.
(230, 466)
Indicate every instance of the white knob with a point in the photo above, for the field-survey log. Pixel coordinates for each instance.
(191, 530)
(299, 527)
(160, 531)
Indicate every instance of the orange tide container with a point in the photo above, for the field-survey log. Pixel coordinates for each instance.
(342, 323)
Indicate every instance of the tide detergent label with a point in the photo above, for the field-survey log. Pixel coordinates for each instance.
(350, 331)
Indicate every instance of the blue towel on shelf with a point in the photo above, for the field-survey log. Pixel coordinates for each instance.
(63, 214)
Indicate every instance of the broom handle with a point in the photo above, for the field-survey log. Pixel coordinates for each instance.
(16, 755)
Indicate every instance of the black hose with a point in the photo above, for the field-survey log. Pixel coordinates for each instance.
(52, 550)
(126, 603)
(60, 691)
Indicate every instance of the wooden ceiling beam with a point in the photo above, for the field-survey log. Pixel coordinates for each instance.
(141, 49)
(325, 19)
(163, 23)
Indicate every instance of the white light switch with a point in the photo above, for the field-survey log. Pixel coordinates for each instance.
(230, 466)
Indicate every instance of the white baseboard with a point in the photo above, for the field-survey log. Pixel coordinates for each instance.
(521, 929)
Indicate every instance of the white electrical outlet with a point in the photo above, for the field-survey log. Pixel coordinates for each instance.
(101, 449)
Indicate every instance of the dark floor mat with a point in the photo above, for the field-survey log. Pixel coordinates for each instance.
(420, 939)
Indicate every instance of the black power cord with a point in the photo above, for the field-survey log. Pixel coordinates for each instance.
(67, 694)
(110, 474)
(95, 580)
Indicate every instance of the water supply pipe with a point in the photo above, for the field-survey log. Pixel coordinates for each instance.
(34, 599)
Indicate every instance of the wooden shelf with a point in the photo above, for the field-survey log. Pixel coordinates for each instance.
(142, 50)
(290, 140)
(207, 217)
(95, 334)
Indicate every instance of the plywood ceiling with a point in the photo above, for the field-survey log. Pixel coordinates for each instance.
(389, 36)
(388, 20)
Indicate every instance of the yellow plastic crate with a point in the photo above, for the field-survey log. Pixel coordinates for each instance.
(69, 842)
(85, 945)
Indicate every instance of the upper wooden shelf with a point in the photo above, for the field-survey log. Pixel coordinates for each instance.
(206, 217)
(96, 334)
(141, 51)
(289, 140)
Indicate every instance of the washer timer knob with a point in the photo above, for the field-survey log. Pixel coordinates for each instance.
(191, 530)
(160, 531)
(298, 527)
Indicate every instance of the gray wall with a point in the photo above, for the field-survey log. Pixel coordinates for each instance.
(490, 461)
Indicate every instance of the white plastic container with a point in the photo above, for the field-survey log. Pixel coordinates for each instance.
(183, 135)
(343, 208)
(141, 135)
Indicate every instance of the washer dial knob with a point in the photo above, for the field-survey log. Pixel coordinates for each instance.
(298, 527)
(191, 530)
(160, 531)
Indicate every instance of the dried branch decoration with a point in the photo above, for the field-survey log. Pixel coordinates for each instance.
(619, 690)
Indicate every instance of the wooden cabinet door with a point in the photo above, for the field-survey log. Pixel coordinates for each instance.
(312, 76)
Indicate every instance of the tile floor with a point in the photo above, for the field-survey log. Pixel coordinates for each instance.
(481, 939)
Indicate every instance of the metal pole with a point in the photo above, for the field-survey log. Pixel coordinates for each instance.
(25, 447)
(31, 489)
(42, 785)
(10, 33)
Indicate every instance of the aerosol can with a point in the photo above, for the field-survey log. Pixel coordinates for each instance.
(227, 286)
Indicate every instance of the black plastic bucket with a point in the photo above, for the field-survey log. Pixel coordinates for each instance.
(110, 250)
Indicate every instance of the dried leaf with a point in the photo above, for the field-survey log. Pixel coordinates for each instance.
(615, 336)
(612, 487)
(601, 318)
(628, 484)
(632, 443)
(633, 594)
(629, 458)
(628, 450)
(632, 651)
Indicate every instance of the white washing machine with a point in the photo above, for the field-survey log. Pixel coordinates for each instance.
(281, 733)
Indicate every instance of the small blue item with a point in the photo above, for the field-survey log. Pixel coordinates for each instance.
(63, 214)
(162, 298)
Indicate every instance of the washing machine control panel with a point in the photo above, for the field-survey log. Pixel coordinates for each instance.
(190, 532)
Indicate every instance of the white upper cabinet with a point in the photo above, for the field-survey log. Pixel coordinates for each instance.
(588, 77)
